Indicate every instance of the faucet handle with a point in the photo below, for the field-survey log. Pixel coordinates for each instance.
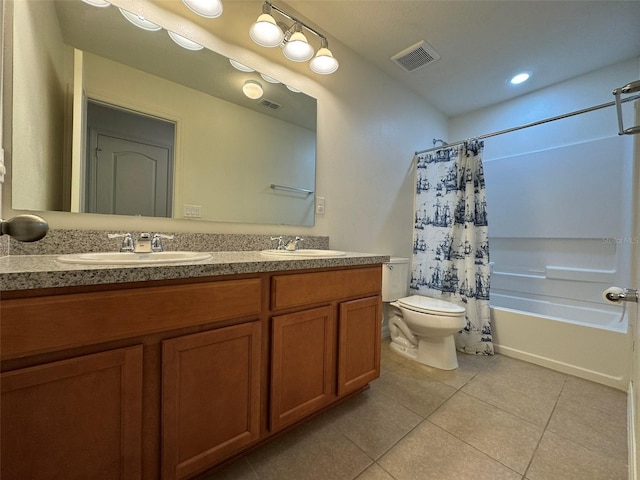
(156, 242)
(127, 241)
(280, 240)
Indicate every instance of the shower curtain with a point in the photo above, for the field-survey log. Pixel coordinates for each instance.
(451, 241)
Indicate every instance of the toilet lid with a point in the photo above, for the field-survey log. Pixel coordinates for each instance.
(432, 305)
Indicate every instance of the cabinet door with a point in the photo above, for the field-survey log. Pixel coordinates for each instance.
(358, 343)
(74, 419)
(303, 365)
(210, 397)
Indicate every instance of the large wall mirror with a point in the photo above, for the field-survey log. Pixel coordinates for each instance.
(223, 157)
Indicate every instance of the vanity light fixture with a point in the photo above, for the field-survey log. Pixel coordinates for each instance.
(140, 21)
(205, 8)
(266, 32)
(240, 66)
(252, 89)
(293, 89)
(184, 42)
(98, 3)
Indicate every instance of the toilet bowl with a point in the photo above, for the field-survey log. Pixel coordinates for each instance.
(422, 329)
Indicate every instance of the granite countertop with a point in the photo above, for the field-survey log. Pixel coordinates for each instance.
(26, 272)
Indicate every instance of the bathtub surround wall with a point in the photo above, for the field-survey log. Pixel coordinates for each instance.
(586, 351)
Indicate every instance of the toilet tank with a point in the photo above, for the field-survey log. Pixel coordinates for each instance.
(395, 277)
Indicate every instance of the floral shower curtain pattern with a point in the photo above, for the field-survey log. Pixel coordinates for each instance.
(451, 241)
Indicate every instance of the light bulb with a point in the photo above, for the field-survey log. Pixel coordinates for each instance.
(140, 21)
(252, 89)
(205, 8)
(98, 3)
(184, 42)
(297, 49)
(265, 32)
(324, 63)
(240, 66)
(269, 79)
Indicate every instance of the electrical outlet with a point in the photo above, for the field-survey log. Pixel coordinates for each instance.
(319, 205)
(192, 211)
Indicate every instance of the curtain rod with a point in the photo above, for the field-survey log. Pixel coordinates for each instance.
(532, 124)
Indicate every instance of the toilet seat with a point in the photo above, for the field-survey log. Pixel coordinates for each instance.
(432, 306)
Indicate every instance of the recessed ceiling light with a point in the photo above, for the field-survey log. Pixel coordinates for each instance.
(519, 78)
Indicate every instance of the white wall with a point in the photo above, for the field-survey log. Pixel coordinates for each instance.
(368, 129)
(42, 90)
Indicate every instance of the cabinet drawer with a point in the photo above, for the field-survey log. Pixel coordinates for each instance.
(43, 324)
(289, 291)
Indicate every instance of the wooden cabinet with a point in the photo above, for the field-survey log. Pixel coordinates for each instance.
(210, 397)
(322, 353)
(302, 363)
(166, 380)
(74, 419)
(359, 343)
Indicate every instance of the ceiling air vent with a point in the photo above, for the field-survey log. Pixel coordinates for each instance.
(416, 56)
(269, 104)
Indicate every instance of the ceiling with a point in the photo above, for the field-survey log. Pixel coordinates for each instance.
(482, 43)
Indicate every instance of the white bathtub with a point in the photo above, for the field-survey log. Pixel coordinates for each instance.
(600, 353)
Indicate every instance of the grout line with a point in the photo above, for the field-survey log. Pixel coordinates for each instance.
(475, 448)
(535, 450)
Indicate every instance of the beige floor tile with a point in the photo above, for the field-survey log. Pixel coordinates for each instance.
(521, 388)
(592, 415)
(413, 389)
(560, 459)
(373, 421)
(468, 367)
(238, 470)
(374, 472)
(430, 453)
(388, 358)
(313, 451)
(501, 435)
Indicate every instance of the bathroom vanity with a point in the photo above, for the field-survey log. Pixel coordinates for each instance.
(166, 372)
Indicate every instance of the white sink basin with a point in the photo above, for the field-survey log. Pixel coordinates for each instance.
(126, 258)
(304, 252)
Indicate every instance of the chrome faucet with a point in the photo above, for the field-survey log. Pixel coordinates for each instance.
(293, 244)
(156, 241)
(127, 241)
(280, 240)
(144, 244)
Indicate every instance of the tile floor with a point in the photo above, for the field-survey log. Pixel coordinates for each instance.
(493, 418)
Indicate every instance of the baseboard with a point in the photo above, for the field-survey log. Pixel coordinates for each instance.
(616, 382)
(631, 433)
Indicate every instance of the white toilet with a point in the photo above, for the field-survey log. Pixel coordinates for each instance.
(421, 327)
